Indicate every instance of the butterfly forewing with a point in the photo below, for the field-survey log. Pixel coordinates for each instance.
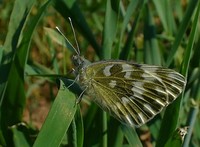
(132, 93)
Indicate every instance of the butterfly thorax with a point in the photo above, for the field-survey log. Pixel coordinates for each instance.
(80, 71)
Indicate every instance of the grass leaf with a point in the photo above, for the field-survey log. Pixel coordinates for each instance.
(58, 120)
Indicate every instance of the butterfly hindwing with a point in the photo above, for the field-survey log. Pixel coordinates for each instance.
(132, 93)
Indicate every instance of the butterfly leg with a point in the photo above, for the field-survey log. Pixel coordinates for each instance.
(78, 100)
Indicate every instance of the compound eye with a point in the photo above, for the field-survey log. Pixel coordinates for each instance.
(77, 60)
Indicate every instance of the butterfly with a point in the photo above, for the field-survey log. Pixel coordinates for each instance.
(132, 93)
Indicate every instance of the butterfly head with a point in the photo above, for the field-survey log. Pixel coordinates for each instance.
(80, 63)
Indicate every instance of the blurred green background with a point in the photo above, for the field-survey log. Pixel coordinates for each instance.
(36, 108)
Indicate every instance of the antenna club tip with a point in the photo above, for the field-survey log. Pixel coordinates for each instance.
(58, 28)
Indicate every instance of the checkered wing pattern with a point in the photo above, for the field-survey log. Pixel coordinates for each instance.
(132, 93)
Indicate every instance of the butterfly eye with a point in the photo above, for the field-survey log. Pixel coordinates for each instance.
(77, 61)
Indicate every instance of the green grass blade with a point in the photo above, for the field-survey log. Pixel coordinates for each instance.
(19, 138)
(79, 128)
(125, 25)
(58, 120)
(71, 9)
(194, 110)
(192, 38)
(131, 136)
(193, 116)
(75, 133)
(183, 26)
(110, 28)
(151, 50)
(20, 11)
(115, 134)
(176, 139)
(13, 62)
(17, 21)
(165, 12)
(109, 34)
(15, 78)
(88, 121)
(1, 53)
(129, 42)
(172, 112)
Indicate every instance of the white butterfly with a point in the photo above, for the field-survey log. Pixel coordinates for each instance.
(132, 93)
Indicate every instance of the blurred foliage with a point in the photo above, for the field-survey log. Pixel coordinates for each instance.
(35, 60)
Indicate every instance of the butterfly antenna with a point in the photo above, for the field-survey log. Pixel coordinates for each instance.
(77, 51)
